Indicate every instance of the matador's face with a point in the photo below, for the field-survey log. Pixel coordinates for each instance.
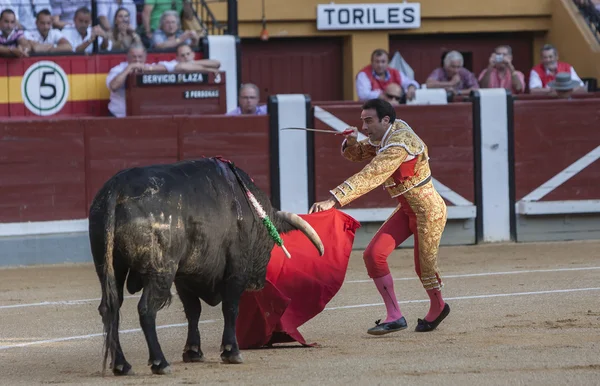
(372, 127)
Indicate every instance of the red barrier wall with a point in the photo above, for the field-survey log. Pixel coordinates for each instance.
(549, 136)
(88, 94)
(51, 170)
(446, 129)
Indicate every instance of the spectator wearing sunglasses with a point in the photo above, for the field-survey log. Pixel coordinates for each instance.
(392, 94)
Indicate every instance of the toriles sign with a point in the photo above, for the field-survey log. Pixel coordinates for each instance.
(368, 16)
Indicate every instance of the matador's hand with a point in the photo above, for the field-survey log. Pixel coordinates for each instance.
(323, 205)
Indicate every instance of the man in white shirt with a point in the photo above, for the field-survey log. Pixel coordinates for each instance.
(45, 38)
(63, 11)
(185, 61)
(545, 72)
(83, 35)
(117, 76)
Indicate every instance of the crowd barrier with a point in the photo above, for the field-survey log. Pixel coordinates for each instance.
(75, 85)
(509, 170)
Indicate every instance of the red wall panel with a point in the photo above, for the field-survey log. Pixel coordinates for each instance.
(549, 136)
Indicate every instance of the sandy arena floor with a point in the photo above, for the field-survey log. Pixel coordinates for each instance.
(521, 314)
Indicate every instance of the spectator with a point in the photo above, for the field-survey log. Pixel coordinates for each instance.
(153, 10)
(45, 38)
(372, 79)
(82, 36)
(117, 76)
(189, 22)
(453, 76)
(25, 11)
(546, 71)
(185, 61)
(392, 94)
(64, 11)
(563, 85)
(12, 40)
(122, 35)
(501, 73)
(248, 101)
(170, 34)
(108, 9)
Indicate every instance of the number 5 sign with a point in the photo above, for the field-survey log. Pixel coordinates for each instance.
(45, 88)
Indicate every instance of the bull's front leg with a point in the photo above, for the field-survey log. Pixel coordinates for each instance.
(231, 300)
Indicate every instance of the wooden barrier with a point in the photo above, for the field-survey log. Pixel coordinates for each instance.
(556, 144)
(51, 170)
(176, 93)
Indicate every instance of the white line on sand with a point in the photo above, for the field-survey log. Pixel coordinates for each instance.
(83, 301)
(79, 337)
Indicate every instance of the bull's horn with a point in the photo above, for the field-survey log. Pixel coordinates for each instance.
(305, 227)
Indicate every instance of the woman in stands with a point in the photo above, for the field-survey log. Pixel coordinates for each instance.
(122, 34)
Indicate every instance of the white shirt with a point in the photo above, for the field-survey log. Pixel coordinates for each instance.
(364, 90)
(24, 11)
(65, 9)
(75, 39)
(53, 37)
(170, 65)
(108, 9)
(117, 104)
(536, 82)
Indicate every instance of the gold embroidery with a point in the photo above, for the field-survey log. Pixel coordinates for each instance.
(431, 213)
(358, 151)
(371, 176)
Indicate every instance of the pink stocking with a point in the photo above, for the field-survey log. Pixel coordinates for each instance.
(385, 285)
(436, 305)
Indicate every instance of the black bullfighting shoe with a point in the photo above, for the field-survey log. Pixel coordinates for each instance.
(425, 326)
(386, 328)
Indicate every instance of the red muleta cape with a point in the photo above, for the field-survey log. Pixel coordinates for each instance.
(297, 289)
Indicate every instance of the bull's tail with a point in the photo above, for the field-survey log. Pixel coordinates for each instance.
(110, 294)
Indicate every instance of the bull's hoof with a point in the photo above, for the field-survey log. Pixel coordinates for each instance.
(161, 371)
(162, 368)
(233, 358)
(124, 369)
(193, 356)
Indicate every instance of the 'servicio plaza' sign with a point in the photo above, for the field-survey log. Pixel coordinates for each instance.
(368, 16)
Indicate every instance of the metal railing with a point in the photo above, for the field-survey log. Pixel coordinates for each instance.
(591, 15)
(206, 18)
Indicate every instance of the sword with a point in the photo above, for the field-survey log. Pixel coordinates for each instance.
(317, 130)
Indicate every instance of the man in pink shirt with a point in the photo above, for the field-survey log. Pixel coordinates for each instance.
(501, 73)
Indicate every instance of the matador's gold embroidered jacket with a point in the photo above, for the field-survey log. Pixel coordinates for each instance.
(399, 162)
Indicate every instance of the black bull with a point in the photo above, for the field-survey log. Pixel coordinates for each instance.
(189, 223)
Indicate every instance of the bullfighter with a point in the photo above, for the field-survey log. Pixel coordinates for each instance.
(399, 160)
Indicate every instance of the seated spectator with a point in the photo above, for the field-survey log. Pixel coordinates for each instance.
(82, 36)
(185, 61)
(453, 76)
(108, 9)
(248, 101)
(153, 11)
(189, 22)
(122, 35)
(546, 71)
(170, 34)
(563, 85)
(392, 94)
(372, 79)
(12, 40)
(117, 76)
(45, 38)
(25, 11)
(64, 11)
(501, 73)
